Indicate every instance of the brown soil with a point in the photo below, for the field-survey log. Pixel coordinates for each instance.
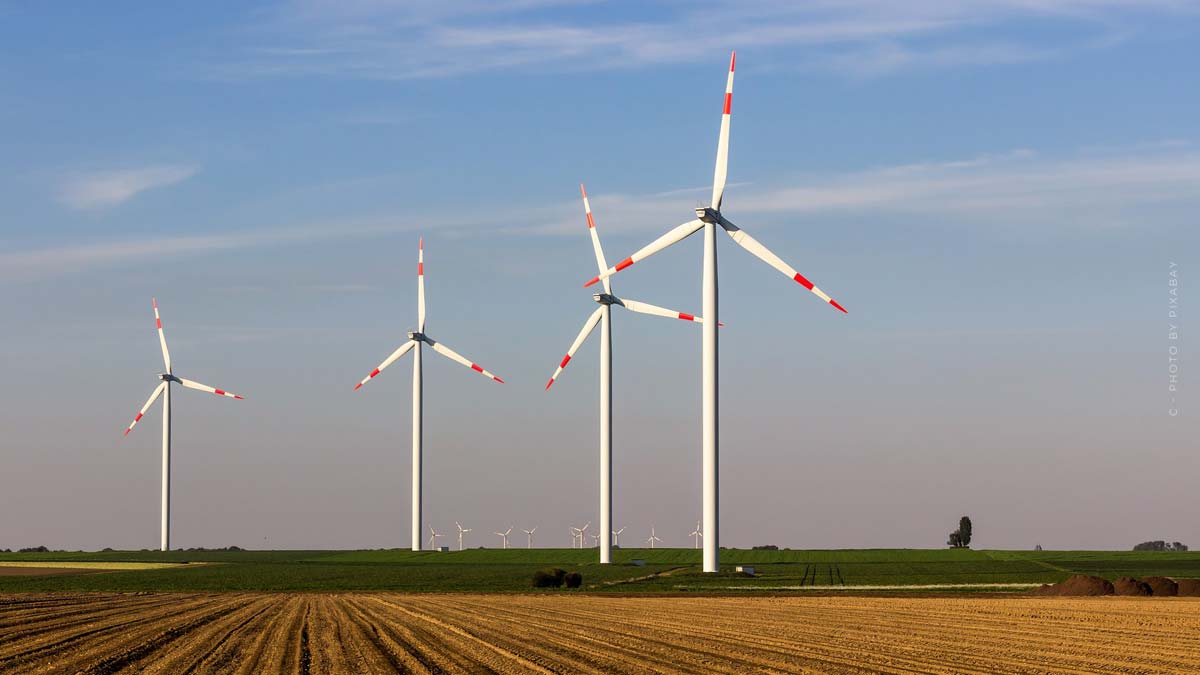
(1077, 585)
(1189, 587)
(1131, 586)
(1162, 586)
(336, 634)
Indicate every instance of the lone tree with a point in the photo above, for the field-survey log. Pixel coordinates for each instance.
(961, 538)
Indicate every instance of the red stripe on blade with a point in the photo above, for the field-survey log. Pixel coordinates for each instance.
(593, 281)
(498, 379)
(835, 304)
(358, 386)
(373, 373)
(728, 102)
(218, 392)
(624, 263)
(591, 223)
(476, 368)
(732, 61)
(686, 317)
(565, 361)
(802, 281)
(549, 383)
(159, 323)
(135, 420)
(420, 269)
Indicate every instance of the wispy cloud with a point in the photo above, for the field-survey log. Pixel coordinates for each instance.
(400, 40)
(104, 189)
(1013, 189)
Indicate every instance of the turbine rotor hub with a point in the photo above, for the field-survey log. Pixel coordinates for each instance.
(606, 299)
(419, 337)
(708, 214)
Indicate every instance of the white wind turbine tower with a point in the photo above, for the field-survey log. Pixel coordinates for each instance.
(696, 535)
(653, 538)
(504, 537)
(461, 532)
(617, 537)
(164, 389)
(529, 533)
(416, 339)
(602, 316)
(708, 219)
(433, 535)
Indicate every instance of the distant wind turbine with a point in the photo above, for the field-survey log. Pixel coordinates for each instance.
(164, 390)
(416, 339)
(461, 532)
(433, 535)
(696, 535)
(617, 537)
(653, 538)
(529, 533)
(504, 537)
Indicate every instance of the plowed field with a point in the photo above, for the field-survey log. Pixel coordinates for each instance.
(386, 633)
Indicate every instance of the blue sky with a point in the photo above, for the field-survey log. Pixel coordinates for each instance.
(994, 190)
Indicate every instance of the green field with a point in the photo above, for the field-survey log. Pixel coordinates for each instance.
(668, 570)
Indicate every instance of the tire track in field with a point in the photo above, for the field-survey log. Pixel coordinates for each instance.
(436, 651)
(345, 636)
(398, 654)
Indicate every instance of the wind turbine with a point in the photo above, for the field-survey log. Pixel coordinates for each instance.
(416, 339)
(433, 535)
(708, 219)
(653, 538)
(602, 316)
(504, 537)
(529, 533)
(696, 535)
(617, 537)
(164, 390)
(595, 539)
(574, 537)
(461, 532)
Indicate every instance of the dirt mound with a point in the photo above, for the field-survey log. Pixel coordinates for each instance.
(1162, 586)
(1131, 586)
(1076, 586)
(1189, 587)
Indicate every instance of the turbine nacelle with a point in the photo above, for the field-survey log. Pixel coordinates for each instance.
(708, 214)
(418, 337)
(607, 299)
(168, 377)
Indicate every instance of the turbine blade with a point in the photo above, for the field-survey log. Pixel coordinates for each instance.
(149, 402)
(647, 308)
(723, 141)
(764, 254)
(675, 235)
(421, 285)
(204, 387)
(387, 362)
(588, 327)
(162, 338)
(601, 263)
(455, 356)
